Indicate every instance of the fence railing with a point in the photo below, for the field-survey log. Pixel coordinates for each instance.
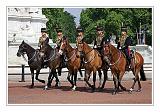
(147, 67)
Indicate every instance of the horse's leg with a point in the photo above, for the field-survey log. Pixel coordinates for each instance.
(57, 80)
(80, 72)
(119, 80)
(59, 71)
(49, 80)
(105, 78)
(32, 75)
(134, 80)
(94, 81)
(68, 77)
(37, 74)
(86, 78)
(100, 78)
(138, 79)
(115, 84)
(75, 79)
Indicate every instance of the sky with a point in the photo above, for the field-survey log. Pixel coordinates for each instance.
(75, 12)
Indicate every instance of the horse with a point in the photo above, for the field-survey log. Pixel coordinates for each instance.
(92, 63)
(117, 62)
(34, 60)
(73, 62)
(52, 57)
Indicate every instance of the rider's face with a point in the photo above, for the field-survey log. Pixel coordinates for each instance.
(59, 33)
(124, 33)
(43, 33)
(99, 32)
(80, 33)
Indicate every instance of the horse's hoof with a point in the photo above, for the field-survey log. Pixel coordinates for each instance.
(114, 93)
(100, 89)
(31, 86)
(139, 90)
(58, 84)
(43, 81)
(46, 88)
(74, 88)
(124, 89)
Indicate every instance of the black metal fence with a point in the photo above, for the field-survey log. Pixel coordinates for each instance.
(146, 68)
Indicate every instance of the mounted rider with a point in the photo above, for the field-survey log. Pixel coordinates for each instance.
(44, 39)
(58, 44)
(59, 37)
(124, 43)
(100, 39)
(79, 40)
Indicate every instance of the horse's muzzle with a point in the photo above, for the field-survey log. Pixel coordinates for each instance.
(18, 54)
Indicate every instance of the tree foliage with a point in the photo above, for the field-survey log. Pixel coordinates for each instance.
(111, 20)
(57, 17)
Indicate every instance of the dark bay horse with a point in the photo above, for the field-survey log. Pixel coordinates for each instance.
(52, 57)
(117, 62)
(34, 60)
(92, 63)
(73, 62)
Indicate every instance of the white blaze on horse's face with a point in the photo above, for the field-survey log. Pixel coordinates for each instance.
(41, 54)
(60, 52)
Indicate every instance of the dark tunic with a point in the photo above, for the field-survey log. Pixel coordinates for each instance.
(99, 45)
(125, 47)
(43, 41)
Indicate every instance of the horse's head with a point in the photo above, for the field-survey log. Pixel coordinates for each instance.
(22, 49)
(80, 46)
(63, 46)
(106, 48)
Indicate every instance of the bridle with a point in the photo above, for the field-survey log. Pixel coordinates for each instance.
(87, 53)
(68, 51)
(24, 52)
(110, 55)
(50, 59)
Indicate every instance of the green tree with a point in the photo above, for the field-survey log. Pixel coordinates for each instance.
(57, 17)
(112, 18)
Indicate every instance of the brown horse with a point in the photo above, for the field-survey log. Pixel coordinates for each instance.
(92, 63)
(52, 57)
(117, 62)
(73, 62)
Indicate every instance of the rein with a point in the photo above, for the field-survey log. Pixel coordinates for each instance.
(89, 60)
(70, 57)
(30, 58)
(50, 57)
(88, 53)
(117, 60)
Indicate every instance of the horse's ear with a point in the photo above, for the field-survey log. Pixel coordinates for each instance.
(23, 41)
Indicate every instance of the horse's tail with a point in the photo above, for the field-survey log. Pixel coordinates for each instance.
(143, 77)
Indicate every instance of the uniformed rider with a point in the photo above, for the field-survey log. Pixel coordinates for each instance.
(124, 43)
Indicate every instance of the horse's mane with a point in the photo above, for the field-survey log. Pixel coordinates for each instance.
(48, 46)
(27, 45)
(113, 47)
